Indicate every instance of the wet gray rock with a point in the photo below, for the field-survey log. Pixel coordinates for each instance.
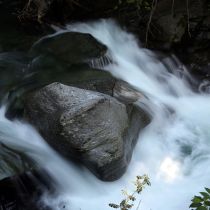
(71, 47)
(103, 85)
(48, 69)
(91, 127)
(126, 93)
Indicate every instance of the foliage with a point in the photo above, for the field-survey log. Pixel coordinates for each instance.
(201, 202)
(128, 202)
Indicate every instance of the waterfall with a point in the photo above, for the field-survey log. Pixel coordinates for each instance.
(174, 149)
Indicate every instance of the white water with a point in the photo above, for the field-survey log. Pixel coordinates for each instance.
(174, 150)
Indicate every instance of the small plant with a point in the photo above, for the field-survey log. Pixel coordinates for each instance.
(128, 202)
(201, 202)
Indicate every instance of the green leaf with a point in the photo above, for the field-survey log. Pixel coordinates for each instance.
(205, 195)
(197, 199)
(123, 202)
(128, 206)
(207, 190)
(193, 205)
(207, 203)
(201, 208)
(113, 205)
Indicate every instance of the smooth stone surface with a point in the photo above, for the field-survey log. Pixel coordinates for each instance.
(71, 47)
(88, 126)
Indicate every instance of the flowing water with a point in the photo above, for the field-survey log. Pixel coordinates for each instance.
(174, 149)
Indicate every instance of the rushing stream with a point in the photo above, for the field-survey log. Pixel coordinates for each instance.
(174, 149)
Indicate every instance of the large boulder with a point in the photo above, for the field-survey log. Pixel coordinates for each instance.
(91, 127)
(71, 47)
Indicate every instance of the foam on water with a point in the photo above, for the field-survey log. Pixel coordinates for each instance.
(174, 149)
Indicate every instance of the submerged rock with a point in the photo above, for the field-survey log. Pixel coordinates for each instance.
(13, 162)
(48, 69)
(91, 127)
(13, 69)
(24, 191)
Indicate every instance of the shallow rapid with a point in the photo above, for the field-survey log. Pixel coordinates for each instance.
(174, 149)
